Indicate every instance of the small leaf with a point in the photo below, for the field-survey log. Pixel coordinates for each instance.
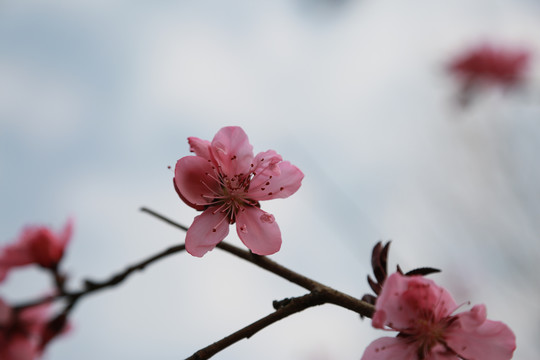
(422, 271)
(376, 287)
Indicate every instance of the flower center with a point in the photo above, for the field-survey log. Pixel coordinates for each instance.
(231, 195)
(427, 333)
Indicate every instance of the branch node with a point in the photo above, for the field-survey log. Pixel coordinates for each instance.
(278, 304)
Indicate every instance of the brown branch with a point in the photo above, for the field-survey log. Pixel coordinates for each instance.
(319, 294)
(93, 286)
(294, 306)
(337, 297)
(272, 266)
(163, 218)
(284, 308)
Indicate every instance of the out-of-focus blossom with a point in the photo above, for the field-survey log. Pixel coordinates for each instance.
(486, 66)
(226, 182)
(422, 313)
(36, 245)
(24, 334)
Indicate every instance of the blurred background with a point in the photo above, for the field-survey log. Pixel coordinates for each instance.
(98, 97)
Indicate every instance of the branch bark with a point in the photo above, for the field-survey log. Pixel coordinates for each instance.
(318, 293)
(294, 306)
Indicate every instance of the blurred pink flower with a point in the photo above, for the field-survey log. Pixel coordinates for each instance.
(21, 332)
(422, 313)
(36, 245)
(226, 182)
(486, 65)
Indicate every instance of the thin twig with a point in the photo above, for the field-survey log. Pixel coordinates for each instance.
(338, 298)
(272, 266)
(294, 306)
(319, 294)
(93, 286)
(167, 220)
(290, 307)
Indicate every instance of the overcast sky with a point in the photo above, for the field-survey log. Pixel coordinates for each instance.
(97, 98)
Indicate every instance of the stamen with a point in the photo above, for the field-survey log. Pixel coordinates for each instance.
(214, 192)
(217, 202)
(468, 303)
(218, 224)
(223, 208)
(212, 177)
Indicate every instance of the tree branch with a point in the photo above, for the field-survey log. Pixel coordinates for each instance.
(319, 294)
(336, 297)
(285, 308)
(163, 218)
(93, 286)
(294, 306)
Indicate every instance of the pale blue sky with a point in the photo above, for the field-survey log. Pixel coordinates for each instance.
(97, 98)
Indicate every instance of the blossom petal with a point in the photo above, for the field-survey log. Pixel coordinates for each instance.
(3, 272)
(232, 151)
(195, 181)
(390, 348)
(279, 186)
(66, 234)
(183, 198)
(474, 337)
(258, 230)
(440, 352)
(265, 166)
(5, 313)
(44, 247)
(36, 317)
(21, 348)
(18, 253)
(207, 230)
(404, 298)
(199, 147)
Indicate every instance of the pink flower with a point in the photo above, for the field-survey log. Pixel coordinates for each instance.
(486, 65)
(36, 245)
(21, 332)
(422, 313)
(226, 182)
